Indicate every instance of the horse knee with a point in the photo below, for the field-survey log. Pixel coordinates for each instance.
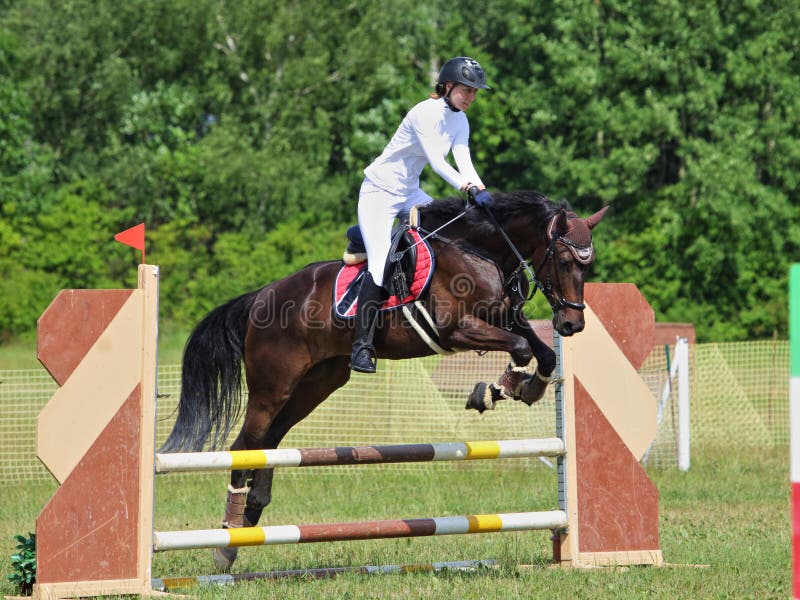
(521, 353)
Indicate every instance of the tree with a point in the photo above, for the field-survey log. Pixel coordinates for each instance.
(245, 125)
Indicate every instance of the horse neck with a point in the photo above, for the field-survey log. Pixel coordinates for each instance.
(526, 238)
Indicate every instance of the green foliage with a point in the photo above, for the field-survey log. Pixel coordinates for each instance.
(244, 127)
(23, 562)
(233, 262)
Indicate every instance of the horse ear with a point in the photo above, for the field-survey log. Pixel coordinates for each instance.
(561, 224)
(595, 218)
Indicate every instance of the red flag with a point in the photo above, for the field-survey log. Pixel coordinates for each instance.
(133, 237)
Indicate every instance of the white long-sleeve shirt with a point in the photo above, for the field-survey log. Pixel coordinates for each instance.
(427, 134)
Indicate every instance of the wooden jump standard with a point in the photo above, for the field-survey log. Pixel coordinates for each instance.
(94, 538)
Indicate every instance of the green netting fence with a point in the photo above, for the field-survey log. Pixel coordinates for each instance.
(739, 398)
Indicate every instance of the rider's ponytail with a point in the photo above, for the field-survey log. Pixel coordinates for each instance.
(440, 91)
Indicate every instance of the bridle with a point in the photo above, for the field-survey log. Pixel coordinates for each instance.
(556, 302)
(524, 272)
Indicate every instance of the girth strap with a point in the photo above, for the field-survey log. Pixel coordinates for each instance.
(425, 328)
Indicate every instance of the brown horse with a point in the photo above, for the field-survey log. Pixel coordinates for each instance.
(296, 350)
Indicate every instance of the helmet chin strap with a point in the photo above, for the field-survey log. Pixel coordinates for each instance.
(447, 99)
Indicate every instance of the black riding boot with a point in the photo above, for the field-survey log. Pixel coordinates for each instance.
(370, 296)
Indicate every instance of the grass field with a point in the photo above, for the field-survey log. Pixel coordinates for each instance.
(724, 527)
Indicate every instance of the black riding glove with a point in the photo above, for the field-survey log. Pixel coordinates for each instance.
(478, 197)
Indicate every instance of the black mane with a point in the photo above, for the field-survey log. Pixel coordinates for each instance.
(506, 206)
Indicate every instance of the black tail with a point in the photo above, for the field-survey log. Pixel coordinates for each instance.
(211, 378)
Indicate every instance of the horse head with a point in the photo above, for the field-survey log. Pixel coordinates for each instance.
(522, 226)
(562, 264)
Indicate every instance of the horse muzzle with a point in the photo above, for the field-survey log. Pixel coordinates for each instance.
(568, 321)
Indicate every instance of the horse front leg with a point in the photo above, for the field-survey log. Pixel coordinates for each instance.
(474, 333)
(531, 386)
(528, 383)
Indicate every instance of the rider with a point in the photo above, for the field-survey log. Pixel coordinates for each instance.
(428, 133)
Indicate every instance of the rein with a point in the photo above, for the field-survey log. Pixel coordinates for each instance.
(438, 229)
(523, 264)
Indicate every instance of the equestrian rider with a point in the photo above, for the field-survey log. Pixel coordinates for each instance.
(429, 132)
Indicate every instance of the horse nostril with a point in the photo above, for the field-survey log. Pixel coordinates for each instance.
(568, 328)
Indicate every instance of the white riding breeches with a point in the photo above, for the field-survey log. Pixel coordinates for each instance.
(377, 210)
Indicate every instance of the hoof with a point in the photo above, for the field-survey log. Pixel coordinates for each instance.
(224, 558)
(532, 390)
(483, 397)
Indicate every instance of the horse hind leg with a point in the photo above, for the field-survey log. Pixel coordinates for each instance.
(235, 510)
(319, 383)
(241, 508)
(259, 419)
(255, 491)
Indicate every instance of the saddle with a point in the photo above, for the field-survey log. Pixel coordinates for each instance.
(408, 271)
(356, 252)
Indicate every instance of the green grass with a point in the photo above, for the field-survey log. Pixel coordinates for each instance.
(19, 353)
(730, 512)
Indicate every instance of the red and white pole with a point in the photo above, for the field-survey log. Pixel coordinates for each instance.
(794, 421)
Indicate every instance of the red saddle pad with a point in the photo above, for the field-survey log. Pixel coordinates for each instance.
(348, 282)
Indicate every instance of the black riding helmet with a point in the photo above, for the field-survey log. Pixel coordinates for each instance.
(464, 70)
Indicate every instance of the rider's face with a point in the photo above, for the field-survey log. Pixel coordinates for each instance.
(461, 96)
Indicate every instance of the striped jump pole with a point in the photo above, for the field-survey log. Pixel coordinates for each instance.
(356, 455)
(365, 530)
(794, 419)
(169, 584)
